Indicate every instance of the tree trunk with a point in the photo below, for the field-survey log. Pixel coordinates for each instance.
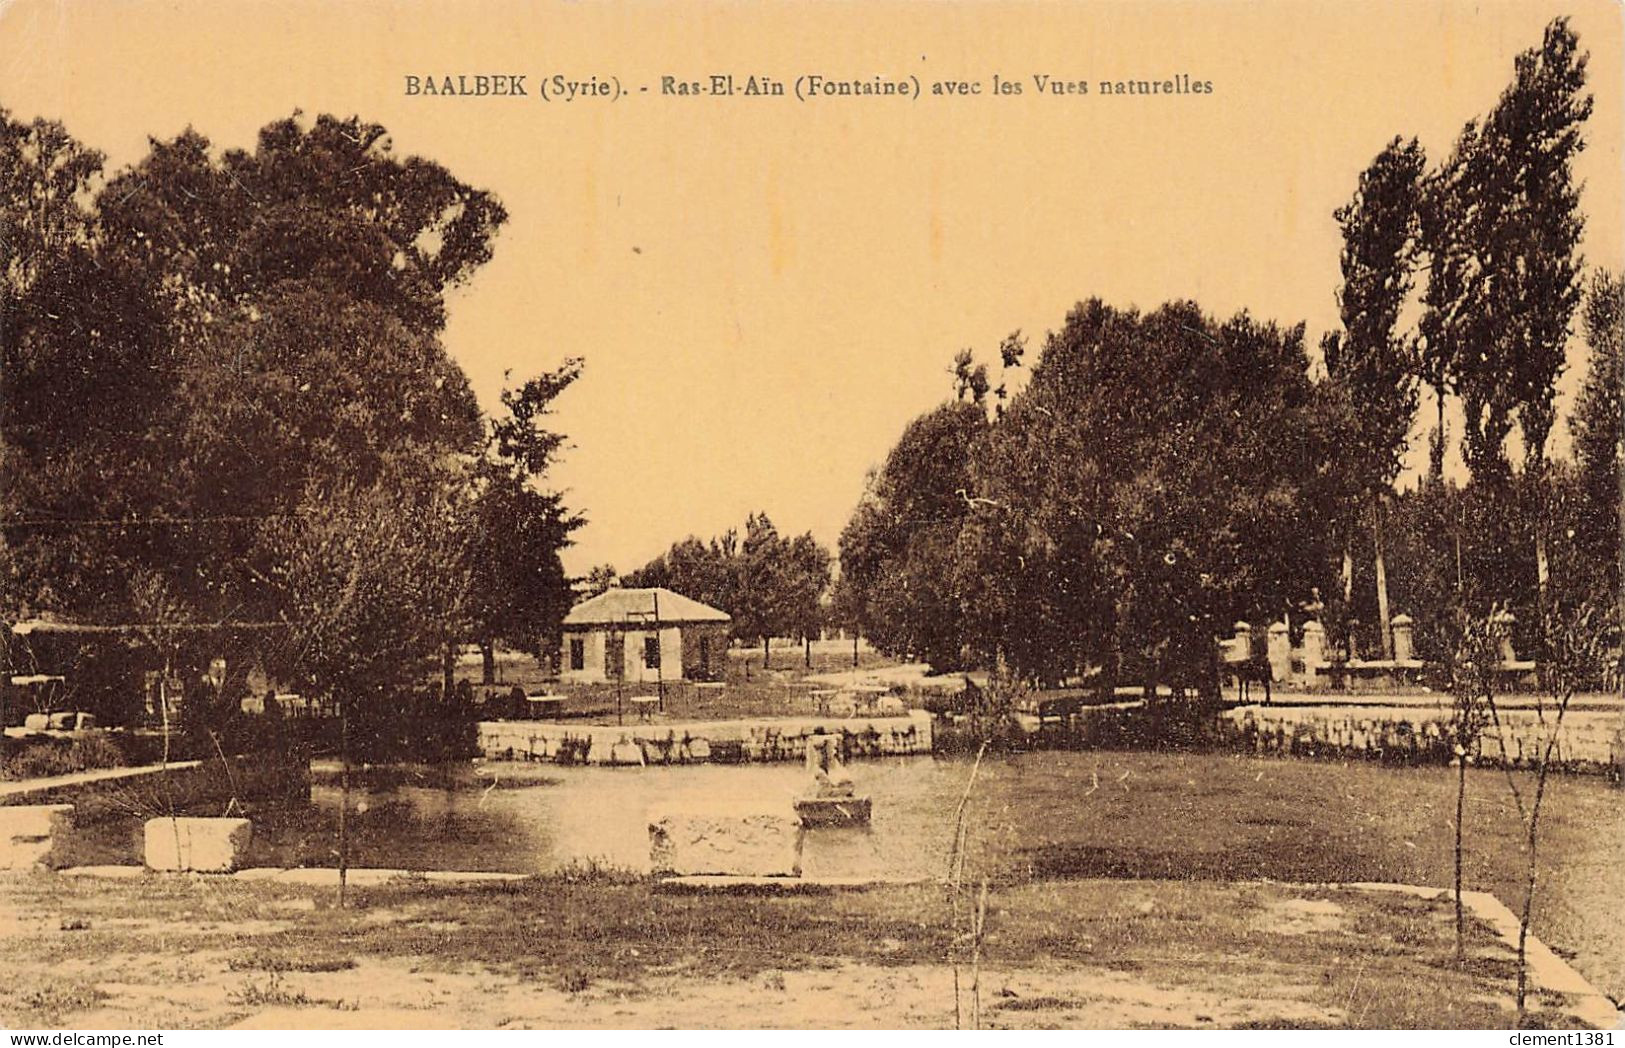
(448, 672)
(765, 653)
(1541, 573)
(1461, 807)
(809, 651)
(1539, 508)
(488, 662)
(1528, 909)
(344, 799)
(1348, 593)
(1436, 443)
(1384, 626)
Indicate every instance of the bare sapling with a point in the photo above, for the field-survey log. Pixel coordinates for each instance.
(966, 909)
(1473, 664)
(1575, 651)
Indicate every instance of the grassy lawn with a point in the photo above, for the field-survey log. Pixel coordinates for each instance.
(1051, 816)
(600, 950)
(1125, 889)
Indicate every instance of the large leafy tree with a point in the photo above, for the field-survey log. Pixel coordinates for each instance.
(1371, 366)
(519, 592)
(805, 578)
(45, 178)
(898, 551)
(367, 584)
(69, 320)
(214, 341)
(1159, 475)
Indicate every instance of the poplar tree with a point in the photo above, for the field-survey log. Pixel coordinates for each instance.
(1371, 365)
(1502, 226)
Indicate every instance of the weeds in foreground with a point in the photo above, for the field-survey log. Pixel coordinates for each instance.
(277, 962)
(594, 871)
(59, 997)
(573, 979)
(268, 993)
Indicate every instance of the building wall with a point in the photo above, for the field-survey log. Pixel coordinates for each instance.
(705, 651)
(671, 656)
(592, 666)
(676, 658)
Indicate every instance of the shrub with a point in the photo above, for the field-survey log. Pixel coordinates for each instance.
(96, 750)
(45, 757)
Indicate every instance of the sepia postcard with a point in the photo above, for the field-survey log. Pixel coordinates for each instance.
(973, 514)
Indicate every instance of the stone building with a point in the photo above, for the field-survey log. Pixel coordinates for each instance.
(639, 635)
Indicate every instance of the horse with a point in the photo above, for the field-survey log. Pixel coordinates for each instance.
(1255, 670)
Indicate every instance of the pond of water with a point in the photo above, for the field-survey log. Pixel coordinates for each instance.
(538, 818)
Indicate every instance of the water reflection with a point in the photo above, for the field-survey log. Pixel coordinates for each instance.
(527, 818)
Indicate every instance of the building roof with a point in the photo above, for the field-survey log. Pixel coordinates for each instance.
(634, 607)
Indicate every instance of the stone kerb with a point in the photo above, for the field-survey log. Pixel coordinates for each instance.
(31, 833)
(197, 845)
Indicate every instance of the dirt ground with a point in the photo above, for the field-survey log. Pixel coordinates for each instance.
(608, 952)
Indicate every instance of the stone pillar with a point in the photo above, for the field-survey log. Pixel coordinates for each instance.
(1314, 649)
(1404, 630)
(1240, 648)
(1280, 652)
(1502, 623)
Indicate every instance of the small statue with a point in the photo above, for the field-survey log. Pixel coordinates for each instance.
(829, 775)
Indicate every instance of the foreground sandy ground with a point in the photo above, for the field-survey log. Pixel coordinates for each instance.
(596, 950)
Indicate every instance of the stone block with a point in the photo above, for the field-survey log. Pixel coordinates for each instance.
(197, 845)
(35, 820)
(30, 833)
(741, 843)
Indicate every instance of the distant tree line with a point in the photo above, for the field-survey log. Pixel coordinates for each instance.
(224, 398)
(772, 586)
(1158, 475)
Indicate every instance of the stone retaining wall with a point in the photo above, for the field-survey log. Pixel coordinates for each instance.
(183, 786)
(702, 741)
(1589, 741)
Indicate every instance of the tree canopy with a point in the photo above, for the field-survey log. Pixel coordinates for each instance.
(1502, 225)
(1157, 476)
(211, 357)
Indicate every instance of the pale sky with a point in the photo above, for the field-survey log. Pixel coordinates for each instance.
(766, 291)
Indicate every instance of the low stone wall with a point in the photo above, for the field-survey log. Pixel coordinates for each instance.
(182, 786)
(1589, 741)
(698, 742)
